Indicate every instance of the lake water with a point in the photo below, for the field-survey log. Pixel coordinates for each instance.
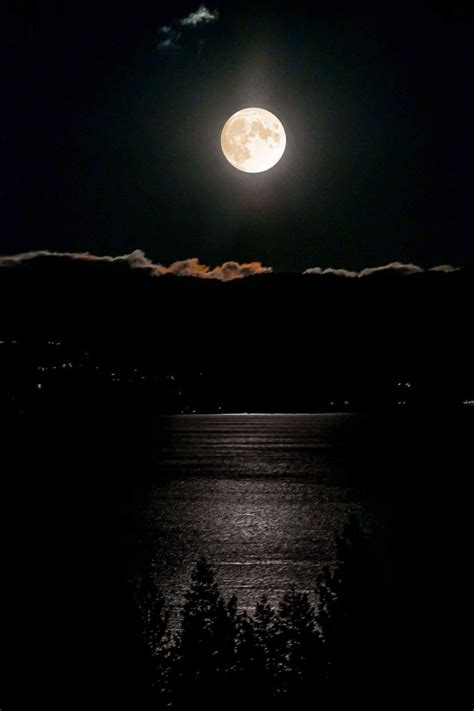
(261, 496)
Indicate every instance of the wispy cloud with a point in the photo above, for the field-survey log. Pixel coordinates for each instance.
(169, 43)
(170, 34)
(393, 267)
(202, 16)
(330, 270)
(169, 38)
(447, 268)
(228, 271)
(135, 259)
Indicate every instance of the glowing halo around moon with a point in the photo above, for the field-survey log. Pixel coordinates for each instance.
(253, 140)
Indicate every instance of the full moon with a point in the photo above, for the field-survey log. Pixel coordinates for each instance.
(253, 140)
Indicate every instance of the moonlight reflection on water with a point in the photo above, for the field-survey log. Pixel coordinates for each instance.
(260, 496)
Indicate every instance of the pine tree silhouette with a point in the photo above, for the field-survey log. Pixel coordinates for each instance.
(350, 616)
(300, 648)
(206, 644)
(275, 658)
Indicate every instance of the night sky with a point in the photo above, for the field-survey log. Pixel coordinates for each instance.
(111, 143)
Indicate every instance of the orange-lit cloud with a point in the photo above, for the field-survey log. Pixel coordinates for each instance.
(224, 272)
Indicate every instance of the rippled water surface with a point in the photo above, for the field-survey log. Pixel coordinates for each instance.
(261, 496)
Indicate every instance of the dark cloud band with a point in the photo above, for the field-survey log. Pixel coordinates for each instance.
(137, 260)
(224, 272)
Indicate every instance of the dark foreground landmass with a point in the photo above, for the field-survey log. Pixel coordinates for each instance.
(274, 342)
(76, 460)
